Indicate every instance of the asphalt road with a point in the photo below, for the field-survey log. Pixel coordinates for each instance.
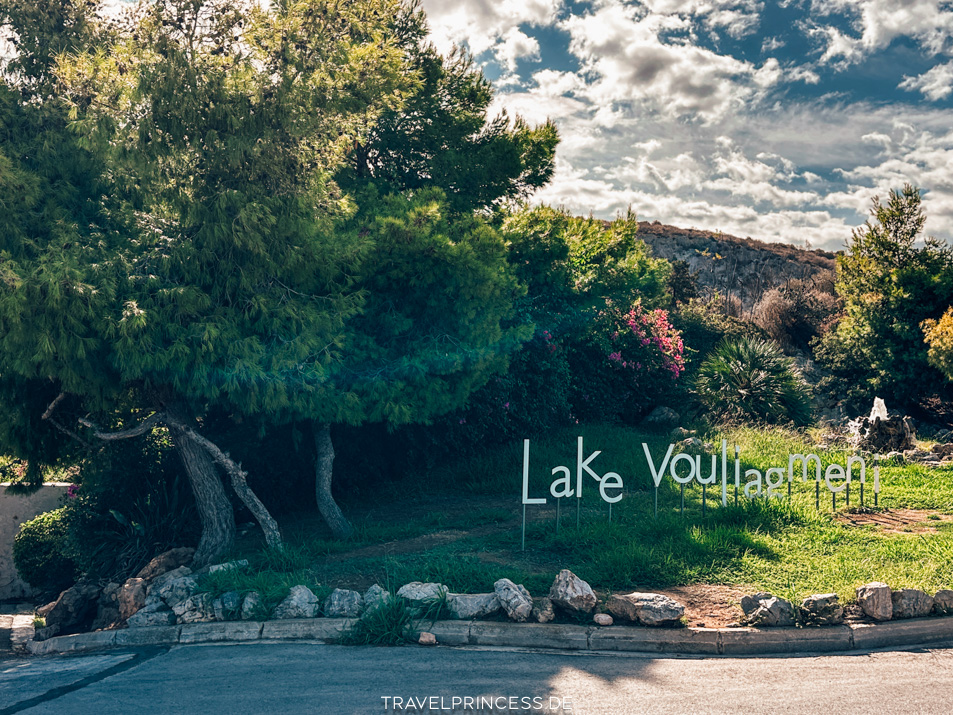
(306, 678)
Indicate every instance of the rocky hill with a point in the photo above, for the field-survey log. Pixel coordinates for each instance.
(741, 266)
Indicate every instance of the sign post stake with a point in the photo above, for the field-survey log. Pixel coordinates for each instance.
(524, 527)
(558, 501)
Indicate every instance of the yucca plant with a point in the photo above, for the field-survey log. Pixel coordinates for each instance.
(752, 380)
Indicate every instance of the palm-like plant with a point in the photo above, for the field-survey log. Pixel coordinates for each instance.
(752, 380)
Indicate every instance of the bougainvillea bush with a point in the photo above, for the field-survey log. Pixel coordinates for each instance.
(631, 359)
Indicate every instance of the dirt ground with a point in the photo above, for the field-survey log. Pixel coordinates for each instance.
(896, 521)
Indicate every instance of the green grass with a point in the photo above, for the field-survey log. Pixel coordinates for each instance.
(787, 547)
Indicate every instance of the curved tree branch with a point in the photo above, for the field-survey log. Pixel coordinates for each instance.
(239, 482)
(140, 429)
(48, 416)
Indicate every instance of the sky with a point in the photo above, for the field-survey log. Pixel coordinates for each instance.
(775, 120)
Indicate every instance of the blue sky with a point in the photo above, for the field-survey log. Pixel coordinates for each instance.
(775, 120)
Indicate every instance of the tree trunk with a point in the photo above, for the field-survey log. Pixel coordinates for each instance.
(215, 510)
(239, 478)
(340, 526)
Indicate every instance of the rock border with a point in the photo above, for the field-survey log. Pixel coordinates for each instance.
(550, 636)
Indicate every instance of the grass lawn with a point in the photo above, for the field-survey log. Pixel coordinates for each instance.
(461, 526)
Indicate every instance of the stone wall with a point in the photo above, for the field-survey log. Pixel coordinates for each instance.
(14, 510)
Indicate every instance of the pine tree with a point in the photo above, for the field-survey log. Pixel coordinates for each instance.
(214, 276)
(890, 284)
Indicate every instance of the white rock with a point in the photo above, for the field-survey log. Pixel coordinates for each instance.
(375, 597)
(571, 593)
(300, 603)
(252, 606)
(343, 603)
(421, 596)
(943, 603)
(543, 610)
(649, 609)
(465, 606)
(515, 600)
(602, 619)
(911, 603)
(875, 600)
(143, 619)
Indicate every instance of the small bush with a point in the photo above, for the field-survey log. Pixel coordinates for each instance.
(133, 504)
(752, 380)
(703, 325)
(391, 623)
(938, 335)
(630, 359)
(795, 313)
(41, 553)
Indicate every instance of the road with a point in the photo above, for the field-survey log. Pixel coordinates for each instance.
(311, 678)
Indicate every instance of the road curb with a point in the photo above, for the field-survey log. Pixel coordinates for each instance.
(696, 641)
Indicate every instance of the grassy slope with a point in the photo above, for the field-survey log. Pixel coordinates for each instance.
(788, 548)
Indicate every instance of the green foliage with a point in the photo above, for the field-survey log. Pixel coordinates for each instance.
(442, 137)
(116, 523)
(630, 359)
(683, 283)
(41, 553)
(752, 380)
(390, 624)
(571, 265)
(432, 327)
(703, 325)
(890, 285)
(938, 335)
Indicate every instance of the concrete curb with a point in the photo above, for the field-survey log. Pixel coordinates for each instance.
(698, 641)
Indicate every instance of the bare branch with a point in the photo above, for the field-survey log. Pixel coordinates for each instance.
(48, 416)
(53, 404)
(143, 427)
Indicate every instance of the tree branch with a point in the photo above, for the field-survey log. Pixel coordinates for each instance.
(48, 416)
(239, 482)
(143, 427)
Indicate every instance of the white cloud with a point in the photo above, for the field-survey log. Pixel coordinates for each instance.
(622, 52)
(516, 45)
(484, 24)
(935, 84)
(879, 22)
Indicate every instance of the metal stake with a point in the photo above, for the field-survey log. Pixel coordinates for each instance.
(524, 527)
(682, 507)
(704, 499)
(817, 495)
(557, 514)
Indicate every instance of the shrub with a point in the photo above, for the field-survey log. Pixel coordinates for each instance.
(703, 324)
(630, 359)
(938, 334)
(891, 280)
(120, 518)
(795, 313)
(41, 553)
(752, 380)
